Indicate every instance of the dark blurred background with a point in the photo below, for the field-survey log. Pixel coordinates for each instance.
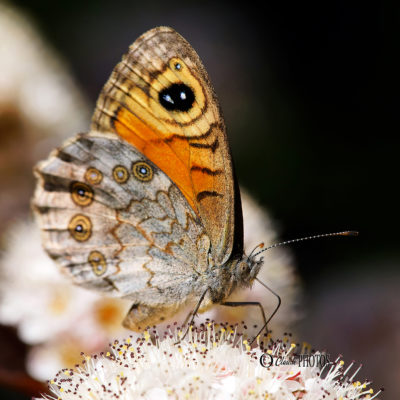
(300, 88)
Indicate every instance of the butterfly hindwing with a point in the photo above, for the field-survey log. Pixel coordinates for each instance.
(115, 222)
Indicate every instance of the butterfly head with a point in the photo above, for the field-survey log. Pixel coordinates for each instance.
(246, 270)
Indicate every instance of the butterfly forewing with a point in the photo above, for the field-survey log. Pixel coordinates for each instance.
(160, 100)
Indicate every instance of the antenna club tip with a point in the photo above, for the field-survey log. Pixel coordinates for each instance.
(350, 233)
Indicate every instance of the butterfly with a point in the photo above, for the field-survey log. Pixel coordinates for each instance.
(146, 205)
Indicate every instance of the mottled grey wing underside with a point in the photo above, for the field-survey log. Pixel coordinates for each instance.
(115, 222)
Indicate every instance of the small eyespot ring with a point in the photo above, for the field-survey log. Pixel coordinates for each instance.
(177, 64)
(80, 227)
(142, 171)
(98, 262)
(120, 174)
(93, 176)
(81, 194)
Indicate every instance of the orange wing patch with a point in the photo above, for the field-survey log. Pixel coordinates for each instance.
(170, 157)
(187, 162)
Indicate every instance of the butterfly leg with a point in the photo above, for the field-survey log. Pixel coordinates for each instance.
(274, 312)
(249, 303)
(193, 315)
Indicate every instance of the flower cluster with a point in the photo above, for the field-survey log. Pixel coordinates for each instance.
(211, 362)
(56, 318)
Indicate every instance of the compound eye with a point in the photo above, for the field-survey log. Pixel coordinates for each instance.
(243, 266)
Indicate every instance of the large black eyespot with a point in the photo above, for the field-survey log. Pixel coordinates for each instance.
(177, 97)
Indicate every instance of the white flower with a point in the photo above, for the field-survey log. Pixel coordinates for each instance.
(40, 105)
(34, 80)
(58, 318)
(36, 297)
(208, 364)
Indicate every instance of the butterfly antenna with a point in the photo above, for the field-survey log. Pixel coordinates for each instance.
(344, 233)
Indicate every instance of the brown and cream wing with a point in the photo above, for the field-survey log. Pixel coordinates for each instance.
(160, 100)
(115, 222)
